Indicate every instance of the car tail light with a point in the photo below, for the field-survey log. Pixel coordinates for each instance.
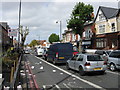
(87, 64)
(57, 55)
(105, 63)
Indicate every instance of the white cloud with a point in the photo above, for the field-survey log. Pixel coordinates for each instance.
(41, 17)
(59, 0)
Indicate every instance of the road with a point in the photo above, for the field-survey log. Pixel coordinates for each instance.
(52, 76)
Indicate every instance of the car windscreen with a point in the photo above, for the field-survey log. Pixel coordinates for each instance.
(115, 54)
(94, 58)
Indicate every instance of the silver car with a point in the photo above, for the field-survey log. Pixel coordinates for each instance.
(87, 63)
(114, 60)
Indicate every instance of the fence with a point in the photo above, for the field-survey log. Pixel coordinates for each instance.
(16, 76)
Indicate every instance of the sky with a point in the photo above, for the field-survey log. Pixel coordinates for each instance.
(41, 15)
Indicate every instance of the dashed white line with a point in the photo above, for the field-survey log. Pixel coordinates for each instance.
(66, 86)
(57, 87)
(83, 80)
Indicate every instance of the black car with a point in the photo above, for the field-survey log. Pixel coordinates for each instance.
(60, 52)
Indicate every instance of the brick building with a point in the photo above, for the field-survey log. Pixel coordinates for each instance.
(5, 40)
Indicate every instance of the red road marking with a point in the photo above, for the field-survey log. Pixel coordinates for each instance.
(33, 79)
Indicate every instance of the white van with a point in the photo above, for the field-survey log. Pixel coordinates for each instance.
(40, 51)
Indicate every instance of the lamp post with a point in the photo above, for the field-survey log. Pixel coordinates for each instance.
(19, 24)
(60, 27)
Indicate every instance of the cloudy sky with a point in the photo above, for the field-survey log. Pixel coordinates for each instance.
(41, 15)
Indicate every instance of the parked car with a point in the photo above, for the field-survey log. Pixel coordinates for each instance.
(103, 53)
(87, 63)
(60, 52)
(40, 51)
(114, 60)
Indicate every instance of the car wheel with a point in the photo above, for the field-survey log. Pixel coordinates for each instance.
(67, 66)
(81, 71)
(112, 67)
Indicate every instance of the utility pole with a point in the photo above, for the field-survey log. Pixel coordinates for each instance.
(19, 25)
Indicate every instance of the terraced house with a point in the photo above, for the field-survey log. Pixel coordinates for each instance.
(107, 25)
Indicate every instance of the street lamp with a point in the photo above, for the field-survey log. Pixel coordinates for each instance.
(19, 24)
(60, 27)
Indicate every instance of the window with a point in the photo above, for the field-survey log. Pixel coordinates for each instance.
(115, 54)
(101, 28)
(74, 57)
(101, 43)
(88, 33)
(94, 58)
(101, 17)
(113, 26)
(80, 58)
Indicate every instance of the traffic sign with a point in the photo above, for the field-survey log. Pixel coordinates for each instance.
(12, 32)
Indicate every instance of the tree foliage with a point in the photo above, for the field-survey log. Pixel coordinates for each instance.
(33, 43)
(80, 14)
(53, 38)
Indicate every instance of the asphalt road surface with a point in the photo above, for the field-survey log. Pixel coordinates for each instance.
(49, 76)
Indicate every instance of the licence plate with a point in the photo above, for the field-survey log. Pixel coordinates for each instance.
(61, 57)
(97, 68)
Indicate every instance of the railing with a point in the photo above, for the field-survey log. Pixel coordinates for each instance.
(16, 76)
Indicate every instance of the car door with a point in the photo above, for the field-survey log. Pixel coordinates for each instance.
(72, 61)
(78, 62)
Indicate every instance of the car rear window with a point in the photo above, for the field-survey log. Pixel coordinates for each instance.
(94, 58)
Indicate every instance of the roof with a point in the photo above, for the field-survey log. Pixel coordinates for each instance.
(108, 12)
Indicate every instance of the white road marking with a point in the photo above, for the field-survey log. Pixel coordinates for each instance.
(83, 80)
(40, 62)
(66, 86)
(32, 67)
(21, 71)
(26, 70)
(23, 74)
(30, 74)
(57, 87)
(41, 67)
(113, 72)
(74, 78)
(61, 73)
(54, 70)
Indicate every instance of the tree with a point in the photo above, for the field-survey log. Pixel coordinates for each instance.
(33, 43)
(80, 14)
(53, 38)
(23, 33)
